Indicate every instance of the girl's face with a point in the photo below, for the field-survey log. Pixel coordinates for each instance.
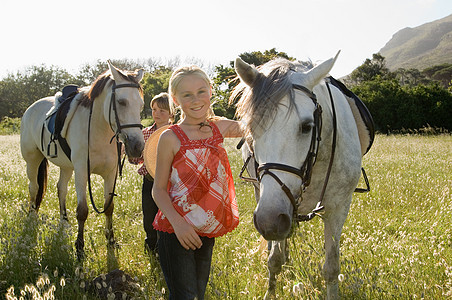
(193, 95)
(161, 116)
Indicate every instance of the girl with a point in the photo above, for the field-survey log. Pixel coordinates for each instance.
(193, 188)
(162, 116)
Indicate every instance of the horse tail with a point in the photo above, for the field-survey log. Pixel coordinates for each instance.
(42, 182)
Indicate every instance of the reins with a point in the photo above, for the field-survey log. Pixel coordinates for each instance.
(118, 142)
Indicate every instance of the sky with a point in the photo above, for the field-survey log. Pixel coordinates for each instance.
(69, 34)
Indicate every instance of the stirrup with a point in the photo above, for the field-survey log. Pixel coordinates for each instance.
(55, 150)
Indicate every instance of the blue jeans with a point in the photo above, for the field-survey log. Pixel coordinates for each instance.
(186, 271)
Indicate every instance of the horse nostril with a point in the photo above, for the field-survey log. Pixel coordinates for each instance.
(284, 223)
(255, 221)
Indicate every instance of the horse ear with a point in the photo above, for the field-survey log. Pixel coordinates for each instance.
(140, 74)
(115, 72)
(246, 72)
(319, 72)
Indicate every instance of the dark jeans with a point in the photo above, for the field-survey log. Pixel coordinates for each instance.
(186, 271)
(150, 209)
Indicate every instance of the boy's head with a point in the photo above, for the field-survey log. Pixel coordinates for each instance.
(162, 101)
(161, 110)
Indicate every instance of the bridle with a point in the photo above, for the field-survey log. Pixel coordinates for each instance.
(305, 171)
(117, 132)
(115, 110)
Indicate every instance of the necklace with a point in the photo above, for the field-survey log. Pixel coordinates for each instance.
(201, 125)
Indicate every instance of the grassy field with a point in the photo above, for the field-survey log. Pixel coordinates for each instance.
(396, 243)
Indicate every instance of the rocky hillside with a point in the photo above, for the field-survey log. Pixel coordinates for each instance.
(420, 47)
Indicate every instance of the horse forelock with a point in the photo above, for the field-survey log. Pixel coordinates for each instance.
(101, 81)
(258, 104)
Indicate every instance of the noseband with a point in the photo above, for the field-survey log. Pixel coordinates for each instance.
(305, 171)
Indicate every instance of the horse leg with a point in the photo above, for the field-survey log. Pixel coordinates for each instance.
(333, 229)
(37, 166)
(109, 182)
(82, 209)
(277, 257)
(65, 176)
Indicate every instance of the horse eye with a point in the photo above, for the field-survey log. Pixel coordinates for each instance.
(122, 102)
(306, 127)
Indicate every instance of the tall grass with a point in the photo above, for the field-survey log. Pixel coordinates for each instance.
(396, 243)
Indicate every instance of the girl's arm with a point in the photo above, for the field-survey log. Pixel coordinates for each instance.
(185, 233)
(229, 128)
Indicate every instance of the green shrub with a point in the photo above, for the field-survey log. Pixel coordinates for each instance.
(9, 126)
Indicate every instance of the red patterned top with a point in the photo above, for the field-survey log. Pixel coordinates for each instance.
(201, 186)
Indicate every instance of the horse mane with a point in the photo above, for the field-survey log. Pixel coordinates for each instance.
(258, 104)
(101, 81)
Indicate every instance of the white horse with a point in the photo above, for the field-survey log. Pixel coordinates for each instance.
(109, 108)
(304, 153)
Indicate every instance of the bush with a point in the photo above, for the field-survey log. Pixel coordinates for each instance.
(395, 107)
(9, 126)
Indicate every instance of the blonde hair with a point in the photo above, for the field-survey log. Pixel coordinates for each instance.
(162, 100)
(176, 78)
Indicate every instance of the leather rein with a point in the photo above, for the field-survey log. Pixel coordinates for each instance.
(119, 127)
(305, 171)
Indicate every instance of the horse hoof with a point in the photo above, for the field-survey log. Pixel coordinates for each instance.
(113, 244)
(270, 295)
(32, 210)
(80, 255)
(79, 246)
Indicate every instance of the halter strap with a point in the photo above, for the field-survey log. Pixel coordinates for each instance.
(113, 105)
(306, 91)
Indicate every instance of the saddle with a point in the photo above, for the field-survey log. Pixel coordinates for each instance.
(363, 118)
(55, 121)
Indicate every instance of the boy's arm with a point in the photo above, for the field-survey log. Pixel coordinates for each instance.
(185, 233)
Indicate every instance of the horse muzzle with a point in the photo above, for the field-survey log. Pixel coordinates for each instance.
(273, 226)
(134, 146)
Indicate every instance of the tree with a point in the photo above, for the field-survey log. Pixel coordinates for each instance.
(370, 69)
(19, 91)
(224, 80)
(258, 58)
(410, 77)
(88, 73)
(155, 83)
(442, 73)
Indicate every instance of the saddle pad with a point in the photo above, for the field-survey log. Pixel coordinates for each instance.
(55, 121)
(366, 136)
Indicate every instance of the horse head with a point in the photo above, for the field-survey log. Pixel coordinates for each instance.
(123, 110)
(283, 127)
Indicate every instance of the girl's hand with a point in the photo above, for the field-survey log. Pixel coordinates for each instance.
(187, 236)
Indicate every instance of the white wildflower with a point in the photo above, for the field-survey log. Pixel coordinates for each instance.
(297, 288)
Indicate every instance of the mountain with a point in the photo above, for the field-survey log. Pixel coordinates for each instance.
(420, 47)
